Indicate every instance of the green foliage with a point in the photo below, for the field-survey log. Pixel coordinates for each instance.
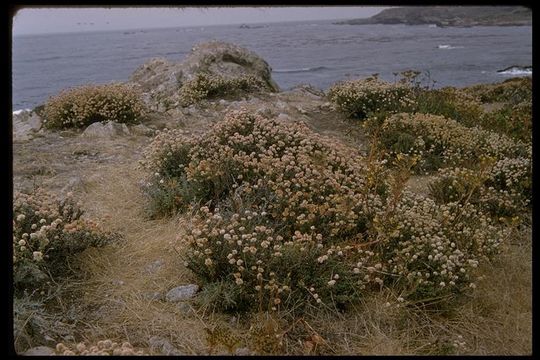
(512, 91)
(501, 189)
(512, 120)
(431, 251)
(450, 103)
(81, 106)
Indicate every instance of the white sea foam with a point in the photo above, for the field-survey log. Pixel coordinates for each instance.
(516, 71)
(315, 68)
(17, 112)
(446, 47)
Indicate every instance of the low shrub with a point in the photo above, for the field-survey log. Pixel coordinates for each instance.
(442, 142)
(512, 120)
(81, 106)
(252, 263)
(249, 157)
(362, 98)
(47, 233)
(512, 91)
(281, 195)
(501, 189)
(208, 86)
(451, 103)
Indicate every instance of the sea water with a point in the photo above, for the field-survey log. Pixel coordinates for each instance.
(313, 52)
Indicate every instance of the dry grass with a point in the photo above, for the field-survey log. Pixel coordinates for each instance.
(119, 276)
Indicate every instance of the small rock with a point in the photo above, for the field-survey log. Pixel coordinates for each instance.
(162, 345)
(185, 307)
(69, 338)
(109, 129)
(326, 106)
(180, 293)
(223, 102)
(73, 184)
(302, 111)
(243, 351)
(39, 351)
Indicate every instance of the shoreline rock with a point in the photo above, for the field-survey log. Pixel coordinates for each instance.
(26, 125)
(161, 79)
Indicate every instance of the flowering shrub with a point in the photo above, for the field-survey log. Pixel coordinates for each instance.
(46, 233)
(364, 97)
(249, 157)
(268, 266)
(289, 218)
(280, 195)
(81, 106)
(206, 86)
(444, 142)
(431, 249)
(103, 347)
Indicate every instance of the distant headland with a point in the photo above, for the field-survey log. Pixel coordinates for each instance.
(443, 16)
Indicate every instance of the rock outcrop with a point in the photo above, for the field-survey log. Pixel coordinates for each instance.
(25, 125)
(161, 79)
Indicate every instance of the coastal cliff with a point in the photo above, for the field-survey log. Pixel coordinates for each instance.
(457, 16)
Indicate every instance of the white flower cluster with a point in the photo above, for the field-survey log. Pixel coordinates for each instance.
(102, 347)
(434, 248)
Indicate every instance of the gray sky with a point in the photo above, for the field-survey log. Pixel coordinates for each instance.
(57, 20)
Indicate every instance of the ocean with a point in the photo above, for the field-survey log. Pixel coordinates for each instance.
(310, 52)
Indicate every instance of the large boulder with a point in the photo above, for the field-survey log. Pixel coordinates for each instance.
(161, 79)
